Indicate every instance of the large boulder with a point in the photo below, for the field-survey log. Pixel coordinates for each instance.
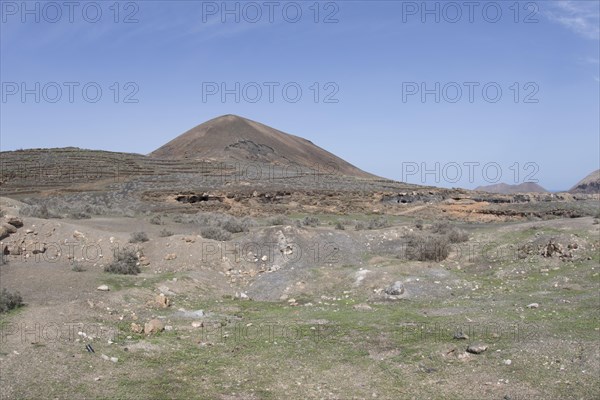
(6, 230)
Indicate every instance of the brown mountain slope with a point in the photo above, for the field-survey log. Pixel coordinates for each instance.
(230, 137)
(589, 184)
(503, 188)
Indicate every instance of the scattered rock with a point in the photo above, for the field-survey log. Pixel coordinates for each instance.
(153, 326)
(362, 307)
(461, 336)
(103, 288)
(107, 358)
(507, 362)
(78, 235)
(166, 291)
(135, 328)
(197, 324)
(533, 305)
(241, 295)
(163, 301)
(13, 220)
(288, 250)
(477, 348)
(396, 289)
(29, 231)
(170, 256)
(42, 250)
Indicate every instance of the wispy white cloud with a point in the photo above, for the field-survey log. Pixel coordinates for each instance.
(581, 17)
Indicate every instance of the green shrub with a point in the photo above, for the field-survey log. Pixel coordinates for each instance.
(378, 223)
(310, 221)
(234, 225)
(179, 219)
(427, 248)
(35, 211)
(457, 236)
(156, 220)
(215, 233)
(138, 237)
(165, 233)
(80, 215)
(440, 227)
(277, 220)
(76, 266)
(9, 301)
(453, 234)
(125, 263)
(373, 223)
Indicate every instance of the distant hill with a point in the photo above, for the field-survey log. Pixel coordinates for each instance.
(231, 137)
(589, 184)
(503, 188)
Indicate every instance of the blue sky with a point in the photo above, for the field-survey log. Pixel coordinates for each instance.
(370, 61)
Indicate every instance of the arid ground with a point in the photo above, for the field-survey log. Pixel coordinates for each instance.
(149, 278)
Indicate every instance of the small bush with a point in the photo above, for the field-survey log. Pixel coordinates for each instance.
(427, 248)
(35, 211)
(165, 233)
(278, 220)
(440, 227)
(419, 225)
(76, 266)
(360, 226)
(80, 215)
(457, 236)
(215, 233)
(339, 226)
(234, 225)
(125, 263)
(373, 223)
(454, 235)
(9, 301)
(178, 219)
(138, 237)
(156, 220)
(378, 223)
(310, 221)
